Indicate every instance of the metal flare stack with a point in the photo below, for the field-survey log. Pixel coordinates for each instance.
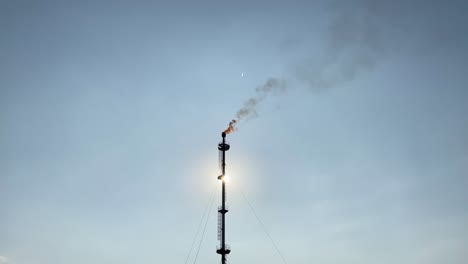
(222, 249)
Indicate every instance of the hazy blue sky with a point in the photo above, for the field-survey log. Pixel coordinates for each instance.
(111, 111)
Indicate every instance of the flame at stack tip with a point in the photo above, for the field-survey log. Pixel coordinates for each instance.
(231, 127)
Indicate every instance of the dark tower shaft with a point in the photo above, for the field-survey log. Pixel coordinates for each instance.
(223, 249)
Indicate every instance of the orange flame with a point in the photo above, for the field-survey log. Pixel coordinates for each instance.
(231, 127)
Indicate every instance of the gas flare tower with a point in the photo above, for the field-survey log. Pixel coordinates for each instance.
(222, 249)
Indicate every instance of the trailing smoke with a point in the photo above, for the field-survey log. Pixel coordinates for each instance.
(351, 47)
(272, 86)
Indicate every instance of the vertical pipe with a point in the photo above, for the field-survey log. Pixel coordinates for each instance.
(223, 234)
(223, 249)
